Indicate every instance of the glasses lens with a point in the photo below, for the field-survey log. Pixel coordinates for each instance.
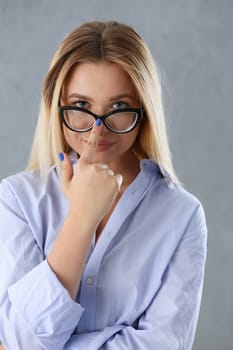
(121, 121)
(78, 120)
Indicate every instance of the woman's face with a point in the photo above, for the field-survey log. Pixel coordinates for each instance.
(101, 87)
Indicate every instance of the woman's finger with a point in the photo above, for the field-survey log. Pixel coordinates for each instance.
(102, 165)
(66, 169)
(110, 172)
(119, 179)
(90, 149)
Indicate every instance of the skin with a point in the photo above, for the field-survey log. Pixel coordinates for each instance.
(92, 183)
(102, 87)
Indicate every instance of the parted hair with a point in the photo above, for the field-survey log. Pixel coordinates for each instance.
(107, 42)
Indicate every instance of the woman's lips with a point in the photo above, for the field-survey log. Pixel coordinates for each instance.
(103, 145)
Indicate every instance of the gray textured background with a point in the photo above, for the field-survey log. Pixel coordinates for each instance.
(192, 42)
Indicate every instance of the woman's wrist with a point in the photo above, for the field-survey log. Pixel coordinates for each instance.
(82, 220)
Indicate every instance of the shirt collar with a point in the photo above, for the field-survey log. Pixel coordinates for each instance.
(153, 166)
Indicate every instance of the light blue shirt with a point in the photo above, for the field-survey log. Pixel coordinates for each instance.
(142, 284)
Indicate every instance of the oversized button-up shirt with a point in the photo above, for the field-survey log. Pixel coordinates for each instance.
(142, 283)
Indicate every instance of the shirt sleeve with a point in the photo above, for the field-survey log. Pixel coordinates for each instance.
(170, 320)
(36, 311)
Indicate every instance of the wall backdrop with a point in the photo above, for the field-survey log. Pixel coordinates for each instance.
(192, 43)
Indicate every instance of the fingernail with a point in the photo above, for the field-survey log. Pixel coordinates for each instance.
(98, 122)
(61, 156)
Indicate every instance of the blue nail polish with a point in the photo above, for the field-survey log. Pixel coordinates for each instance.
(98, 122)
(61, 156)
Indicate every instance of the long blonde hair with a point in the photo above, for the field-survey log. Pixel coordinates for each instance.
(110, 42)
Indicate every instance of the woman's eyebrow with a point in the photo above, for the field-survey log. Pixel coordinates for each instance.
(122, 96)
(112, 99)
(81, 97)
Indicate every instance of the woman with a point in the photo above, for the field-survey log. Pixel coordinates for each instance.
(101, 247)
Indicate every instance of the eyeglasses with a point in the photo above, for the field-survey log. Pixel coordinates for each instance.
(119, 121)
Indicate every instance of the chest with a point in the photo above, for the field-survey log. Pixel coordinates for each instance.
(123, 273)
(105, 219)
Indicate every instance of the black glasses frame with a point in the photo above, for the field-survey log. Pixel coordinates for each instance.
(137, 111)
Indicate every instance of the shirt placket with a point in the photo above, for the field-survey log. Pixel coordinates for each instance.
(89, 284)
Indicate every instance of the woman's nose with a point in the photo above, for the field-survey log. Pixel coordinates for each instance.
(104, 130)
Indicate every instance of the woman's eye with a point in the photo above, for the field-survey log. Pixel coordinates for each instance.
(120, 105)
(81, 104)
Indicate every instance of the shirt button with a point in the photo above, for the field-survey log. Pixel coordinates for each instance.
(90, 281)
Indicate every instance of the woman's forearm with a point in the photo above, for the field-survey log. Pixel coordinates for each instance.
(68, 255)
(90, 190)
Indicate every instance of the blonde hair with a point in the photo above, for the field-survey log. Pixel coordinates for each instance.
(110, 42)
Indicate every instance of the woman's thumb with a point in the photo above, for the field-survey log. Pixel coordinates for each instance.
(66, 169)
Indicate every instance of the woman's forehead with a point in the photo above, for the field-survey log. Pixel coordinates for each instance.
(92, 80)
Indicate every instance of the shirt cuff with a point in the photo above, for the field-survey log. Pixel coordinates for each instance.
(45, 305)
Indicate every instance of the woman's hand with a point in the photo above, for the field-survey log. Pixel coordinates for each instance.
(92, 187)
(90, 191)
